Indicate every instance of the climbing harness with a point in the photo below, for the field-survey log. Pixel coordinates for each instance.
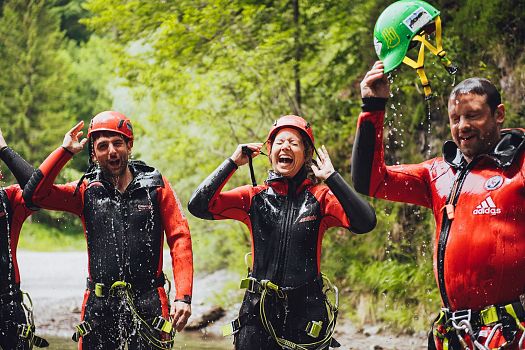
(146, 330)
(27, 331)
(266, 289)
(479, 328)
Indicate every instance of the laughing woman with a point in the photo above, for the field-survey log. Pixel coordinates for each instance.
(285, 304)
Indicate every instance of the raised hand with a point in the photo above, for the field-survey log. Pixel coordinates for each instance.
(72, 140)
(375, 83)
(322, 166)
(240, 158)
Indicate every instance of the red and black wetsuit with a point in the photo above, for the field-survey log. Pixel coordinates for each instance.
(287, 219)
(13, 213)
(478, 255)
(125, 236)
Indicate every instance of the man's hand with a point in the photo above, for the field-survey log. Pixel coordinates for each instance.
(2, 140)
(322, 166)
(72, 141)
(179, 314)
(240, 158)
(375, 83)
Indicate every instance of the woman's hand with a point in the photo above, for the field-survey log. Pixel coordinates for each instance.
(240, 158)
(322, 166)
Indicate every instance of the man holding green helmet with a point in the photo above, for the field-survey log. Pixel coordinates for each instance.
(476, 191)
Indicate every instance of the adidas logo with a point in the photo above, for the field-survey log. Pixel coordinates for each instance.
(487, 207)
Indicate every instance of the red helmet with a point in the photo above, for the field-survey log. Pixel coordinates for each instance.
(111, 121)
(290, 121)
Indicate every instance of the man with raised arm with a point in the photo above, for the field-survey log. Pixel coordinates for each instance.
(126, 207)
(476, 191)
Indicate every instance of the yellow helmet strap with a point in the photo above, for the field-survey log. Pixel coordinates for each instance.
(436, 50)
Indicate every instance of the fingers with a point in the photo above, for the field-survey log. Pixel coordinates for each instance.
(76, 128)
(180, 312)
(83, 142)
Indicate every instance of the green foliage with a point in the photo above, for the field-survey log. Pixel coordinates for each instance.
(197, 78)
(41, 237)
(34, 73)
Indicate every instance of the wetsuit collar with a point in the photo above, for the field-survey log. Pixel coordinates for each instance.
(287, 185)
(506, 150)
(143, 176)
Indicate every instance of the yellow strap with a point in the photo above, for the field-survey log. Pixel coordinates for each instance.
(489, 315)
(227, 329)
(445, 344)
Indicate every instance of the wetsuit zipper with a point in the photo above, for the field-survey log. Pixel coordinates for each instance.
(284, 239)
(445, 229)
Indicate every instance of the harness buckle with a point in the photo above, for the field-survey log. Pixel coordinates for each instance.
(460, 315)
(231, 328)
(25, 331)
(489, 315)
(267, 284)
(99, 290)
(250, 284)
(313, 328)
(162, 325)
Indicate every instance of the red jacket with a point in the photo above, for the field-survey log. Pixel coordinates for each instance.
(122, 229)
(479, 255)
(13, 213)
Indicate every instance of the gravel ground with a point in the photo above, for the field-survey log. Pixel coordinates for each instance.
(56, 282)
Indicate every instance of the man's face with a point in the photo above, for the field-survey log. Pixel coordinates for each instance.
(287, 153)
(112, 153)
(474, 128)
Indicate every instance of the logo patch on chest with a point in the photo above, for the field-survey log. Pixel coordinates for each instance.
(145, 206)
(493, 183)
(308, 218)
(487, 207)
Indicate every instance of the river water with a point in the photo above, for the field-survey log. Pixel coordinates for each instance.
(186, 341)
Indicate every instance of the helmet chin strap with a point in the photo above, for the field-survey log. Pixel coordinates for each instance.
(436, 50)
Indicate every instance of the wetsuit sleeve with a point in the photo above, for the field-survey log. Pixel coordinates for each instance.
(21, 169)
(179, 241)
(207, 202)
(41, 191)
(346, 207)
(370, 175)
(20, 211)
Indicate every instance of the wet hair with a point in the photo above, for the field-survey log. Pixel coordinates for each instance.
(481, 87)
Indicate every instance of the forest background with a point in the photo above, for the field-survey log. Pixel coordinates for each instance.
(198, 77)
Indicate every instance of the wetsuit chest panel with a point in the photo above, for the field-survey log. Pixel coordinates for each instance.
(123, 232)
(7, 272)
(285, 233)
(484, 260)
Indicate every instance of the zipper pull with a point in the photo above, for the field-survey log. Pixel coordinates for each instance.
(450, 211)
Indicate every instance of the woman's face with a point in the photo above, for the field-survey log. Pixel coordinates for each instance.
(287, 154)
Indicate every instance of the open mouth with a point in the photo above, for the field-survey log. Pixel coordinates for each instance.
(114, 163)
(285, 160)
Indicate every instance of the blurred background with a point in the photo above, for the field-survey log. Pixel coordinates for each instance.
(198, 77)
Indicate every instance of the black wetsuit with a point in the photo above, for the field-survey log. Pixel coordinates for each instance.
(13, 213)
(125, 236)
(287, 219)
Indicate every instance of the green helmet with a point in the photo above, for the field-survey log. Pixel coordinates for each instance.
(396, 27)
